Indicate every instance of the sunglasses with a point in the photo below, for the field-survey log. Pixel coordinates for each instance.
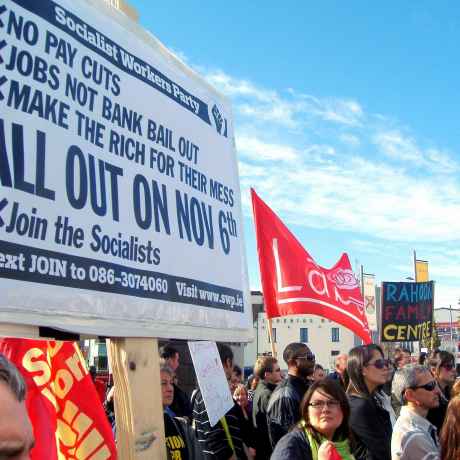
(380, 363)
(430, 386)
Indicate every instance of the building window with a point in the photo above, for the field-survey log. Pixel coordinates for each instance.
(273, 334)
(335, 352)
(304, 334)
(335, 334)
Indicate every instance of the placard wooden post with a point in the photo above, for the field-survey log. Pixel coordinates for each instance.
(138, 408)
(270, 334)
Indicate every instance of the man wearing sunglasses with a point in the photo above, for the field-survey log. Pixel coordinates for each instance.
(414, 437)
(283, 409)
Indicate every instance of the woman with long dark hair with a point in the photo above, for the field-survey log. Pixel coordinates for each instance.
(370, 422)
(442, 366)
(323, 432)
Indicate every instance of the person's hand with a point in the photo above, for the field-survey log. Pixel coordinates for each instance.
(326, 451)
(233, 457)
(252, 452)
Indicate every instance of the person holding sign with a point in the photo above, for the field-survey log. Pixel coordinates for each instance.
(224, 440)
(323, 432)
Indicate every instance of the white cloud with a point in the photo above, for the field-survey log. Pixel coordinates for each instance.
(404, 148)
(257, 150)
(350, 139)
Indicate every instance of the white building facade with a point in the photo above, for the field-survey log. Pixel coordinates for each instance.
(325, 338)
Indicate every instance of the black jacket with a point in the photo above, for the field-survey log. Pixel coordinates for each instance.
(292, 446)
(372, 430)
(259, 419)
(181, 403)
(283, 409)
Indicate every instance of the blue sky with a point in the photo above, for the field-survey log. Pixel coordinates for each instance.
(347, 122)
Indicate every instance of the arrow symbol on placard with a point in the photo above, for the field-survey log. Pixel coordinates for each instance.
(2, 10)
(3, 80)
(2, 45)
(3, 204)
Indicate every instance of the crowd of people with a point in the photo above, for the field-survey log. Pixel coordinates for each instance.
(368, 408)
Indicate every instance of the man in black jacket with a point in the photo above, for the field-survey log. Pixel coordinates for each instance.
(213, 439)
(283, 409)
(269, 373)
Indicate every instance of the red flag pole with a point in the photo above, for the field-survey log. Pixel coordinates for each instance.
(270, 334)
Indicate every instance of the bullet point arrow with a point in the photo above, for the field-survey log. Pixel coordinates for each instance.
(2, 45)
(3, 204)
(3, 80)
(2, 10)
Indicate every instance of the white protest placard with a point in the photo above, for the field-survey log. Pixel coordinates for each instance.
(120, 209)
(211, 379)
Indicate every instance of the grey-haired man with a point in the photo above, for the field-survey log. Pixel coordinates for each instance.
(414, 437)
(16, 436)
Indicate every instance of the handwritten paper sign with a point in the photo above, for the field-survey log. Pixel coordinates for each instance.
(211, 379)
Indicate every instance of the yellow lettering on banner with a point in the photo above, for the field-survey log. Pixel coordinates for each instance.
(70, 411)
(387, 331)
(402, 332)
(77, 439)
(89, 444)
(54, 346)
(176, 455)
(82, 424)
(75, 365)
(31, 363)
(50, 396)
(102, 454)
(66, 435)
(63, 383)
(413, 332)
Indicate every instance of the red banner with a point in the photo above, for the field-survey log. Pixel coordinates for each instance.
(67, 416)
(294, 284)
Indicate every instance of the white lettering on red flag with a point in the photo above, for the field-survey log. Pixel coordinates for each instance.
(293, 283)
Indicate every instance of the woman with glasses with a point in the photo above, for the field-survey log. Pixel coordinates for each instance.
(370, 421)
(442, 366)
(323, 432)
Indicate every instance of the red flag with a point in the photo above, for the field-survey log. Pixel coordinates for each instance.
(294, 284)
(67, 416)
